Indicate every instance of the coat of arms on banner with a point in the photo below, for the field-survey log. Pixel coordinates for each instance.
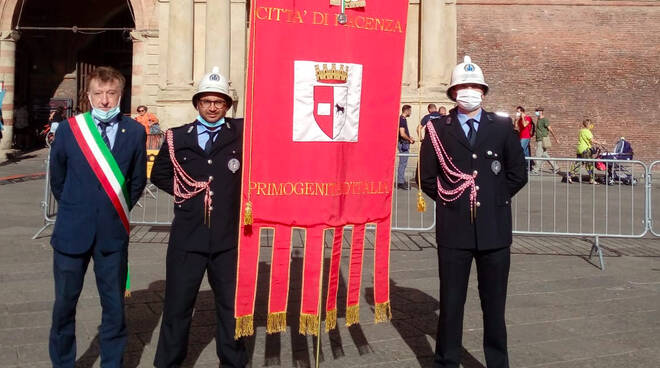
(326, 101)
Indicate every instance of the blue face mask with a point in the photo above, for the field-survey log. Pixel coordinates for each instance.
(210, 125)
(105, 116)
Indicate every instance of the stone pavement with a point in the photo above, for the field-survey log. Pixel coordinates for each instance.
(562, 310)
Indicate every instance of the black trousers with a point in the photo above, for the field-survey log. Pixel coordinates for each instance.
(493, 275)
(184, 273)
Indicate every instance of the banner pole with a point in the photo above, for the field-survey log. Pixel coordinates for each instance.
(318, 336)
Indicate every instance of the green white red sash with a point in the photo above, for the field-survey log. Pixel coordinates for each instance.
(102, 162)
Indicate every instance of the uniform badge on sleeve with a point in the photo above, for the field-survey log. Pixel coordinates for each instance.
(234, 165)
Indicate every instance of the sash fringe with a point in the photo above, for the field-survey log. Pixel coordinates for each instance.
(244, 326)
(352, 315)
(330, 320)
(276, 322)
(309, 324)
(383, 312)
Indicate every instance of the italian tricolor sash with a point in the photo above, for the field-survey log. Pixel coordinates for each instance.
(102, 162)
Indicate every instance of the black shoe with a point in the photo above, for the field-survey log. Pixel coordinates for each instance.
(402, 186)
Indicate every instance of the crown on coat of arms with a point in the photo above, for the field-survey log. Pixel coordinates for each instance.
(332, 75)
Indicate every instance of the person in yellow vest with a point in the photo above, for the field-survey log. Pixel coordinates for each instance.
(585, 149)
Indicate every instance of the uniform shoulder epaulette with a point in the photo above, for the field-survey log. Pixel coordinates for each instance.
(182, 129)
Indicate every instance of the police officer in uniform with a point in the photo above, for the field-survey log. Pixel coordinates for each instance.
(472, 165)
(200, 164)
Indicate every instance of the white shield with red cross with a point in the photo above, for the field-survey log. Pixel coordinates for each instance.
(326, 101)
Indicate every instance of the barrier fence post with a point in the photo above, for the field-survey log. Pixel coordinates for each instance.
(45, 203)
(595, 248)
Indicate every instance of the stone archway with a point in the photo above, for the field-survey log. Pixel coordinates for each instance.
(10, 10)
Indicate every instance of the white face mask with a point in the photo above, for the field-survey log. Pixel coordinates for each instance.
(105, 116)
(518, 114)
(468, 99)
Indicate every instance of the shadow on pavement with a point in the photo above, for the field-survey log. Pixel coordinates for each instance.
(144, 309)
(414, 316)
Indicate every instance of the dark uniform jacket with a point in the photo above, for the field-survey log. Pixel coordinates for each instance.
(189, 232)
(496, 145)
(85, 214)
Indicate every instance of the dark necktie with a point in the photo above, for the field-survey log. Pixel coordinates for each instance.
(209, 143)
(104, 126)
(472, 133)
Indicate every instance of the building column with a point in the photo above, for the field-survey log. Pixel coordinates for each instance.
(176, 25)
(218, 35)
(137, 77)
(438, 46)
(180, 44)
(238, 58)
(411, 51)
(7, 72)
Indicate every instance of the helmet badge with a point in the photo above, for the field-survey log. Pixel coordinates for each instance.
(469, 68)
(214, 77)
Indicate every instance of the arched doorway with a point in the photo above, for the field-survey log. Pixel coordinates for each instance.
(52, 57)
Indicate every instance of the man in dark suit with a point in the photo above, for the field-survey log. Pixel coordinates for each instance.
(204, 233)
(472, 165)
(91, 219)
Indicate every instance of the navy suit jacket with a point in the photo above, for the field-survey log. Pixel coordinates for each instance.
(85, 214)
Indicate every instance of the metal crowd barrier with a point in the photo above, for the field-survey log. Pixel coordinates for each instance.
(404, 201)
(653, 197)
(48, 203)
(615, 207)
(620, 206)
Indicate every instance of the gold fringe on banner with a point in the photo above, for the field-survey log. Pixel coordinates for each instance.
(244, 326)
(276, 322)
(330, 320)
(352, 315)
(383, 312)
(247, 215)
(309, 324)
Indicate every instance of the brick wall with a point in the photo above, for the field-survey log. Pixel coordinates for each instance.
(577, 59)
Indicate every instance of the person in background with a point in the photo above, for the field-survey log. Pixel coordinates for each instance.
(543, 131)
(524, 127)
(147, 119)
(404, 146)
(585, 149)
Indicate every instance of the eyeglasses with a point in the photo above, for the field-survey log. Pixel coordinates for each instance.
(219, 104)
(141, 110)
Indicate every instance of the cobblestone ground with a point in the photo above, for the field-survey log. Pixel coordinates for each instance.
(562, 310)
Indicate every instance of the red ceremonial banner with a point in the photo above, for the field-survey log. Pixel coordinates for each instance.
(322, 104)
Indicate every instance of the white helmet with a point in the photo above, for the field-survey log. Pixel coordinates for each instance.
(213, 82)
(465, 73)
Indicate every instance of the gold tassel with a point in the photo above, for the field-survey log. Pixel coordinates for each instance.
(247, 215)
(309, 324)
(276, 322)
(244, 326)
(330, 320)
(421, 203)
(352, 315)
(383, 312)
